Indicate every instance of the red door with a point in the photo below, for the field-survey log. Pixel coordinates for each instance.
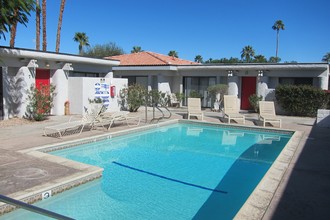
(249, 85)
(42, 77)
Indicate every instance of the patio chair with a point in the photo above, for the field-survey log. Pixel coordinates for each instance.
(194, 108)
(267, 113)
(109, 118)
(70, 127)
(231, 109)
(77, 126)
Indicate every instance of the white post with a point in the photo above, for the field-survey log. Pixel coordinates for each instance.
(233, 85)
(324, 82)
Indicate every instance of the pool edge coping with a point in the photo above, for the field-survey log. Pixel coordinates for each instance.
(258, 202)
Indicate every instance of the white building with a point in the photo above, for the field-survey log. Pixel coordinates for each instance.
(76, 78)
(168, 74)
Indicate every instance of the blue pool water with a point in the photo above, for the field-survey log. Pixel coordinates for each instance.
(180, 171)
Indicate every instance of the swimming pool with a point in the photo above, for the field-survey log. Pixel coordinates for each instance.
(180, 171)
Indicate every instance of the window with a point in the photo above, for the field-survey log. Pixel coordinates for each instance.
(200, 85)
(142, 80)
(296, 81)
(85, 74)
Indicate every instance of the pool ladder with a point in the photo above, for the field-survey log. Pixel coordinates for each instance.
(33, 208)
(163, 115)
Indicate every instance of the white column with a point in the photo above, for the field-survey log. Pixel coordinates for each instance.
(60, 80)
(262, 86)
(149, 82)
(233, 85)
(324, 82)
(181, 85)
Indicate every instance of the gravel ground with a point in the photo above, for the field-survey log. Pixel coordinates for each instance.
(14, 122)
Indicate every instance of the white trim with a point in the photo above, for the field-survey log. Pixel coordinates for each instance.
(29, 54)
(299, 66)
(132, 68)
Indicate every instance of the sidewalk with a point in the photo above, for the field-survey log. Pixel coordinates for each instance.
(303, 194)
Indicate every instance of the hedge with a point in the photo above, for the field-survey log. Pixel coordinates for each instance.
(301, 100)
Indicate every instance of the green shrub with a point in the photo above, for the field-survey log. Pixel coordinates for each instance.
(194, 94)
(40, 102)
(156, 97)
(301, 100)
(153, 97)
(254, 102)
(179, 96)
(133, 97)
(328, 98)
(214, 90)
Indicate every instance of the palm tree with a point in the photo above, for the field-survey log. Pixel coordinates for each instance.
(12, 12)
(136, 49)
(82, 39)
(173, 53)
(274, 60)
(247, 53)
(260, 59)
(199, 59)
(278, 25)
(59, 26)
(326, 57)
(17, 12)
(44, 31)
(37, 25)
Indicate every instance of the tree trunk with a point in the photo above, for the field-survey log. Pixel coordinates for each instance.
(13, 30)
(59, 26)
(277, 43)
(80, 49)
(44, 32)
(37, 25)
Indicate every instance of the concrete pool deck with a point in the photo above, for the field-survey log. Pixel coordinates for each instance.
(304, 190)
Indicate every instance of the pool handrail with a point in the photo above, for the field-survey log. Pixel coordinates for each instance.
(33, 208)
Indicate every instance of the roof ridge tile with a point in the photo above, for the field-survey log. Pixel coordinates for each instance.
(157, 57)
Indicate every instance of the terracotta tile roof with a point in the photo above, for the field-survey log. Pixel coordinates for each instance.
(148, 58)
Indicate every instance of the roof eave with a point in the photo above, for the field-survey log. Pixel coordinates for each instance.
(151, 67)
(31, 54)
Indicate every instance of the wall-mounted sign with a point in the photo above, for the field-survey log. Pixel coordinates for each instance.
(102, 91)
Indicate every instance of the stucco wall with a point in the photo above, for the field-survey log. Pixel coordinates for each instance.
(16, 83)
(164, 84)
(81, 89)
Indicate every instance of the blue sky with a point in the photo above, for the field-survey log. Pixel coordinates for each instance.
(210, 28)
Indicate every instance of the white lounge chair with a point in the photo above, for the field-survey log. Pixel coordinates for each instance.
(109, 118)
(194, 108)
(70, 127)
(267, 113)
(231, 109)
(77, 126)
